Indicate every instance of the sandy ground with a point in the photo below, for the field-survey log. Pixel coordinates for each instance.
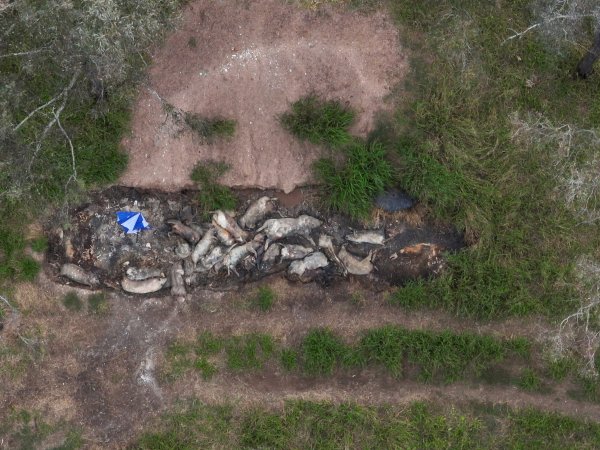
(249, 62)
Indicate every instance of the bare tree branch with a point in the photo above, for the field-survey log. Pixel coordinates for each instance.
(31, 52)
(74, 174)
(50, 124)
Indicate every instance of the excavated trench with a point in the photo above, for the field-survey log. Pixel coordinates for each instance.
(93, 242)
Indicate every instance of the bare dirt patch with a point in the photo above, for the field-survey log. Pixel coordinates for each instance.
(248, 61)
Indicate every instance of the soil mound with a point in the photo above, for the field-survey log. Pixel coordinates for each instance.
(248, 61)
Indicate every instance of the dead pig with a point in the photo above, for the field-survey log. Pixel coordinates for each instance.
(146, 286)
(189, 234)
(176, 276)
(257, 211)
(313, 261)
(326, 244)
(275, 229)
(203, 247)
(182, 250)
(210, 260)
(354, 265)
(143, 273)
(229, 224)
(375, 237)
(236, 254)
(292, 251)
(224, 236)
(77, 274)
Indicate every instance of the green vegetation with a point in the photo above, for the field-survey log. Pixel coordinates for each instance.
(39, 245)
(213, 195)
(248, 352)
(352, 185)
(69, 76)
(97, 303)
(303, 424)
(14, 263)
(263, 299)
(319, 121)
(484, 144)
(530, 381)
(72, 302)
(27, 430)
(437, 357)
(210, 129)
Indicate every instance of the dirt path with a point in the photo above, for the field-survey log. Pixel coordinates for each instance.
(101, 372)
(247, 61)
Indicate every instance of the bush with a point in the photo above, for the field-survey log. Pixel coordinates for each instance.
(72, 302)
(28, 268)
(319, 121)
(213, 195)
(352, 186)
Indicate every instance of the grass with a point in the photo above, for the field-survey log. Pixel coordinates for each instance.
(263, 299)
(303, 424)
(213, 195)
(39, 245)
(210, 129)
(530, 381)
(23, 430)
(458, 154)
(428, 356)
(72, 302)
(351, 186)
(319, 121)
(97, 304)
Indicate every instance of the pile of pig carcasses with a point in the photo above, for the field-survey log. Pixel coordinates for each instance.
(230, 247)
(262, 239)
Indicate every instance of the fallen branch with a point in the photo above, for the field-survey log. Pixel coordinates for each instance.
(65, 96)
(31, 52)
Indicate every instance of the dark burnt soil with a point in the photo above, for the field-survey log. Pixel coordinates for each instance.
(93, 240)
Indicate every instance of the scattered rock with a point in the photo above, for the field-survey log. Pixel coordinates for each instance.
(354, 265)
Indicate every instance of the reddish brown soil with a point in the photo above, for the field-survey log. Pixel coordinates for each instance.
(251, 59)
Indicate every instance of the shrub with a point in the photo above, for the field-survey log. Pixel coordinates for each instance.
(351, 186)
(319, 121)
(72, 302)
(212, 195)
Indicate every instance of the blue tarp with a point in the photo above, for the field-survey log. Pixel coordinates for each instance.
(132, 221)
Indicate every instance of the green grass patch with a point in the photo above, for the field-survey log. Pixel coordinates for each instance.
(97, 304)
(263, 299)
(23, 430)
(210, 129)
(289, 359)
(351, 186)
(72, 302)
(322, 350)
(39, 245)
(319, 121)
(530, 381)
(302, 424)
(249, 352)
(213, 195)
